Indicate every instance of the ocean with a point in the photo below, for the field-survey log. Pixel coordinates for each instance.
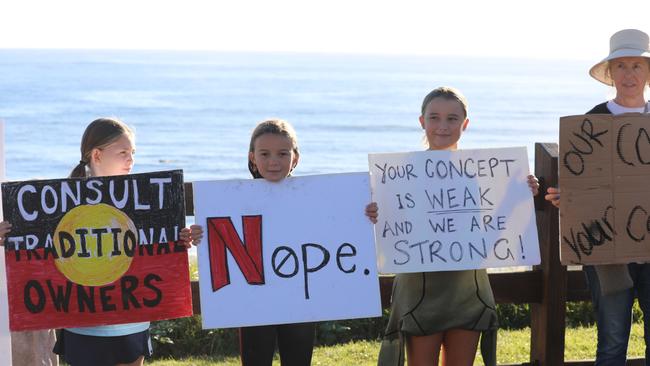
(195, 110)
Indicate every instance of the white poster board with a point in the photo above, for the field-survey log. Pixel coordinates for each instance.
(304, 243)
(445, 211)
(5, 335)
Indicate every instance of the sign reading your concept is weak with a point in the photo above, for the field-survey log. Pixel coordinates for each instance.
(453, 210)
(604, 173)
(96, 251)
(299, 250)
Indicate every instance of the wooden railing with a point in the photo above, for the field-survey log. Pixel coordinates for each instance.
(547, 287)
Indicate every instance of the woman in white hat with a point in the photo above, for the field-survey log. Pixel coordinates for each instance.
(627, 69)
(613, 287)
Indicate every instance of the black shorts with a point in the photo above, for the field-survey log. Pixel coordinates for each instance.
(84, 350)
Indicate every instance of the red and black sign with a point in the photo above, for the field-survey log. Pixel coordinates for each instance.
(96, 251)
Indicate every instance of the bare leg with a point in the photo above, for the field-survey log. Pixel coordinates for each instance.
(137, 362)
(459, 347)
(424, 350)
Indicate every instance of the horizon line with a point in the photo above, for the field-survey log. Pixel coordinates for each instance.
(289, 52)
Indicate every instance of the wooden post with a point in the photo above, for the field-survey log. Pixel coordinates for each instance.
(548, 317)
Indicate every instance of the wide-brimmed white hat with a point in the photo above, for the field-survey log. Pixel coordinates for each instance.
(625, 43)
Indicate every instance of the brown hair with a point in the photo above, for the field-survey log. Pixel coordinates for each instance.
(445, 92)
(274, 126)
(99, 134)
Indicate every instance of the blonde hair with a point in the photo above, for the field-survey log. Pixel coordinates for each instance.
(275, 126)
(99, 134)
(448, 93)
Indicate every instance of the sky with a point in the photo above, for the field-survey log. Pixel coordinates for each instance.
(571, 29)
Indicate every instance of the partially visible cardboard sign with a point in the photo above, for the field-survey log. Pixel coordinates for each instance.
(604, 168)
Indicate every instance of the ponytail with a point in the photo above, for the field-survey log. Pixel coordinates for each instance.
(79, 171)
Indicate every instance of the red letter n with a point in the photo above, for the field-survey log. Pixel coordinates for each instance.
(248, 255)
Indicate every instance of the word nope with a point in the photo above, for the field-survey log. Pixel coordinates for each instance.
(248, 254)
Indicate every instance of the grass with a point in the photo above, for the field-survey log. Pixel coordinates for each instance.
(357, 353)
(513, 347)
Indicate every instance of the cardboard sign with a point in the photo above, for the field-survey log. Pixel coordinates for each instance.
(299, 250)
(96, 251)
(444, 210)
(5, 335)
(604, 168)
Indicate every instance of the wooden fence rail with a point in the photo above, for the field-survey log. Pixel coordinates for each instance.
(547, 287)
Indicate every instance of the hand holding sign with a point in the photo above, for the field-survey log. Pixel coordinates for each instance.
(5, 228)
(372, 211)
(191, 235)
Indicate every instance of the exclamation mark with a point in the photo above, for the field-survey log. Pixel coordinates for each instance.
(521, 245)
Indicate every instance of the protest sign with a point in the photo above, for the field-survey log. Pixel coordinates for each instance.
(453, 210)
(604, 167)
(299, 250)
(95, 251)
(5, 336)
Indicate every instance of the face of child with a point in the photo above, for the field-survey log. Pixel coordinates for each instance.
(114, 159)
(443, 122)
(273, 157)
(630, 76)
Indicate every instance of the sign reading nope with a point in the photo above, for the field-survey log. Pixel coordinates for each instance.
(444, 210)
(298, 250)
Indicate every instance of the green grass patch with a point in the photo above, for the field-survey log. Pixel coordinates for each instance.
(513, 347)
(363, 353)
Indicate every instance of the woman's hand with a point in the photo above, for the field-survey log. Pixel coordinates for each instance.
(553, 195)
(533, 183)
(372, 211)
(191, 235)
(5, 228)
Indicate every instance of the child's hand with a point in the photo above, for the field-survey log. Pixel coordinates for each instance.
(191, 235)
(197, 234)
(533, 183)
(5, 228)
(553, 196)
(372, 211)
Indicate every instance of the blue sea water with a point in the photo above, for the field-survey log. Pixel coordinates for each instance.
(195, 110)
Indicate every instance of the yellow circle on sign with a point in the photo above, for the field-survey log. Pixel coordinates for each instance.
(101, 267)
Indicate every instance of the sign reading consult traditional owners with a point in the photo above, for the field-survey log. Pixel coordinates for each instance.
(604, 168)
(299, 250)
(94, 251)
(443, 210)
